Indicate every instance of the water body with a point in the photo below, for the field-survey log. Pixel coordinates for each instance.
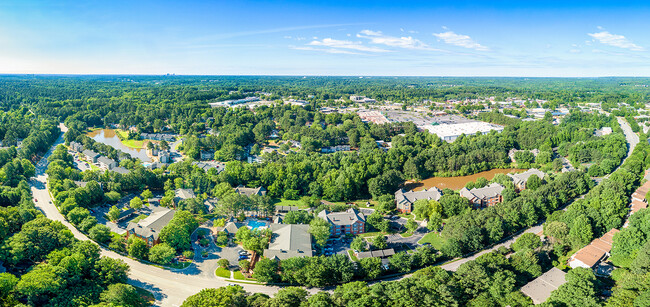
(457, 183)
(108, 137)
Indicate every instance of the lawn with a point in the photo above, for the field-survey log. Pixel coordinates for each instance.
(180, 265)
(138, 218)
(352, 256)
(289, 202)
(370, 234)
(138, 144)
(434, 239)
(221, 272)
(239, 275)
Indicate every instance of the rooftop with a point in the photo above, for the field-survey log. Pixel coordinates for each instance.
(347, 217)
(523, 177)
(541, 287)
(289, 241)
(151, 226)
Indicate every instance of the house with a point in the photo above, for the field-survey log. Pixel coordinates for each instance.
(242, 190)
(210, 204)
(285, 209)
(182, 194)
(106, 162)
(590, 255)
(158, 137)
(541, 287)
(76, 146)
(232, 227)
(350, 221)
(484, 197)
(207, 154)
(149, 228)
(206, 166)
(164, 157)
(91, 155)
(336, 148)
(288, 241)
(520, 179)
(405, 199)
(121, 170)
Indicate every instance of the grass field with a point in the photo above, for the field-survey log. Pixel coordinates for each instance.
(221, 272)
(146, 295)
(138, 144)
(352, 256)
(434, 239)
(240, 276)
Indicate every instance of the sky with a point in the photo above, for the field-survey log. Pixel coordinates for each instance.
(360, 38)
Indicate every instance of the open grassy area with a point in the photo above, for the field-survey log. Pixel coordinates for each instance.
(123, 135)
(221, 272)
(352, 256)
(138, 218)
(370, 234)
(434, 239)
(288, 202)
(240, 276)
(180, 265)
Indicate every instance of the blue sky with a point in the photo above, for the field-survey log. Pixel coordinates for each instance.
(422, 38)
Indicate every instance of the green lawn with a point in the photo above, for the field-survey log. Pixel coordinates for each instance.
(138, 218)
(288, 202)
(221, 272)
(370, 234)
(434, 239)
(180, 265)
(406, 234)
(352, 256)
(146, 295)
(239, 275)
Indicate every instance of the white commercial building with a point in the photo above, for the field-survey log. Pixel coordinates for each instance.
(450, 132)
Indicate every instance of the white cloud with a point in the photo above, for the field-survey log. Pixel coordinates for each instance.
(377, 37)
(326, 50)
(615, 40)
(344, 44)
(460, 40)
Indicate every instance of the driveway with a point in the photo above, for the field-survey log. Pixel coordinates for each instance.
(396, 241)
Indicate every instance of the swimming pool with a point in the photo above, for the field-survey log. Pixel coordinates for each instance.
(254, 224)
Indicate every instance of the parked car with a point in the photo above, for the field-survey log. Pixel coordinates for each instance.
(243, 257)
(243, 253)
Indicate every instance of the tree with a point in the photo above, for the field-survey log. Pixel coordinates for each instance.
(7, 284)
(320, 299)
(222, 297)
(359, 244)
(100, 233)
(113, 213)
(162, 253)
(533, 182)
(41, 283)
(76, 215)
(412, 225)
(579, 290)
(371, 267)
(122, 295)
(290, 296)
(297, 217)
(320, 229)
(136, 203)
(224, 263)
(245, 265)
(400, 262)
(146, 194)
(377, 221)
(266, 270)
(379, 242)
(164, 145)
(138, 248)
(453, 204)
(113, 196)
(176, 236)
(527, 241)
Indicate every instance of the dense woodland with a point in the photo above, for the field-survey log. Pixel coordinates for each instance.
(48, 267)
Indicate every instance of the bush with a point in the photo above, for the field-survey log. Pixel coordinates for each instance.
(222, 239)
(224, 263)
(188, 254)
(162, 253)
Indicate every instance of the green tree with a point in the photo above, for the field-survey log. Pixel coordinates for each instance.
(359, 244)
(222, 297)
(320, 230)
(113, 213)
(42, 283)
(379, 242)
(266, 270)
(245, 265)
(100, 233)
(146, 194)
(533, 182)
(290, 296)
(371, 267)
(224, 263)
(412, 225)
(76, 215)
(527, 241)
(138, 248)
(122, 295)
(136, 203)
(7, 284)
(162, 253)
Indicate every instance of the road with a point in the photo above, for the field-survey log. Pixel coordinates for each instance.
(169, 288)
(632, 140)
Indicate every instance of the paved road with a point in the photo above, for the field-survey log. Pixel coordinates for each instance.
(632, 140)
(170, 288)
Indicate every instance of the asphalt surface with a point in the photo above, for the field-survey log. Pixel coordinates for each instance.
(170, 288)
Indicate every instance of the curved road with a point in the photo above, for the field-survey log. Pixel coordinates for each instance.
(169, 288)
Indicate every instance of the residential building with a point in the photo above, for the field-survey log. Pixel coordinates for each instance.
(521, 179)
(590, 255)
(182, 194)
(350, 221)
(164, 157)
(121, 170)
(484, 197)
(242, 190)
(541, 287)
(91, 155)
(207, 155)
(206, 166)
(106, 162)
(286, 209)
(211, 204)
(150, 227)
(288, 241)
(405, 199)
(336, 148)
(76, 146)
(158, 137)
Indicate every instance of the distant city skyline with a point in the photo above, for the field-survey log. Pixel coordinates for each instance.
(364, 38)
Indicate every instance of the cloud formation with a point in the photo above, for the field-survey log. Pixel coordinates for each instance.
(377, 37)
(326, 50)
(460, 40)
(345, 44)
(615, 40)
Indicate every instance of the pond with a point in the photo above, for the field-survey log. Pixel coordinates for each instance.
(457, 183)
(108, 137)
